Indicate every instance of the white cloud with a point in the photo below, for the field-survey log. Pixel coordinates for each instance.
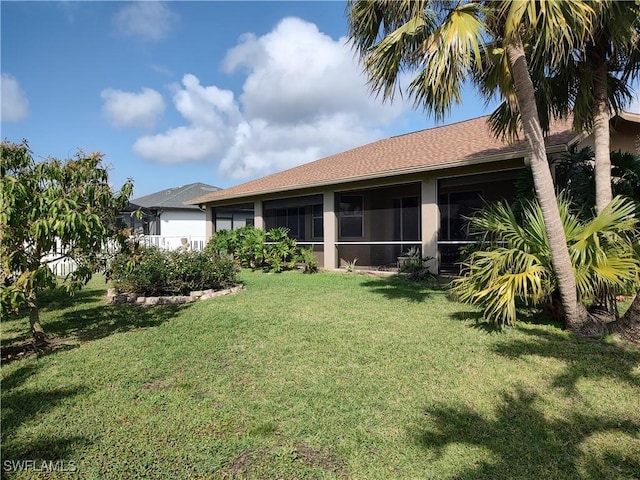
(304, 97)
(15, 106)
(261, 148)
(127, 109)
(297, 73)
(213, 116)
(179, 145)
(146, 20)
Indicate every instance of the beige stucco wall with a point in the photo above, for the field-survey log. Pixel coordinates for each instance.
(330, 227)
(430, 217)
(625, 136)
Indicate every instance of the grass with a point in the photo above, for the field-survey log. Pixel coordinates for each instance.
(317, 376)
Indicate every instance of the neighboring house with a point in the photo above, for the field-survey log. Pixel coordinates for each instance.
(166, 218)
(378, 200)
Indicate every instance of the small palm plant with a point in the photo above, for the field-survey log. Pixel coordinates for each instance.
(515, 261)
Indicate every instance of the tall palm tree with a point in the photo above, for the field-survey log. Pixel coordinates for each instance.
(607, 63)
(593, 83)
(445, 43)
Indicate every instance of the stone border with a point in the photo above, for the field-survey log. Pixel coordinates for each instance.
(115, 298)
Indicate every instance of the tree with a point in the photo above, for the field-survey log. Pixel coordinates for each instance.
(445, 43)
(51, 210)
(514, 263)
(603, 70)
(593, 83)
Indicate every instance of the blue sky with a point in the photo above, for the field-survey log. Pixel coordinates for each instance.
(182, 92)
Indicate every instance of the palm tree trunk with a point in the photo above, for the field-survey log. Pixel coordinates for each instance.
(576, 316)
(601, 137)
(628, 327)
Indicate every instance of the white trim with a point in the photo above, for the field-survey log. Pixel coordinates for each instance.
(397, 242)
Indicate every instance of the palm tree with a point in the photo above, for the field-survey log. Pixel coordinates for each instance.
(607, 63)
(514, 262)
(592, 84)
(444, 43)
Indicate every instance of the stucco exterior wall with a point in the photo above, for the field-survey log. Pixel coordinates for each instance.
(625, 136)
(183, 223)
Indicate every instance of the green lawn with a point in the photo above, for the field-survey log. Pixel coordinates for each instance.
(317, 376)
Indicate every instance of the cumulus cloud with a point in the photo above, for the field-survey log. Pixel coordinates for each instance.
(145, 20)
(15, 106)
(127, 109)
(213, 116)
(304, 97)
(297, 73)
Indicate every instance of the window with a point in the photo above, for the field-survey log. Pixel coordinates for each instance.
(293, 219)
(232, 219)
(406, 218)
(317, 220)
(453, 208)
(351, 216)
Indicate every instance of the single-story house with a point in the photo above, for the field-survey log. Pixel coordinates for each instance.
(378, 200)
(166, 215)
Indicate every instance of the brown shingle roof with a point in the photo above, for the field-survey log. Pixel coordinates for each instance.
(442, 147)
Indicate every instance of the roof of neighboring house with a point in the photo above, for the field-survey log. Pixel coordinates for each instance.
(463, 143)
(175, 197)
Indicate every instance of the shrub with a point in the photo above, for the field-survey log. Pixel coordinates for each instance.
(153, 272)
(281, 250)
(222, 242)
(142, 271)
(253, 248)
(415, 267)
(189, 271)
(306, 256)
(515, 263)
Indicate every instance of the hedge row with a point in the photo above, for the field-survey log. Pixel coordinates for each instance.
(151, 271)
(254, 248)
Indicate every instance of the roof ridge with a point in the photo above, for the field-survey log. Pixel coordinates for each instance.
(435, 127)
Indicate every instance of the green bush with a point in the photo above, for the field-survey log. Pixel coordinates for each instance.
(142, 271)
(306, 256)
(246, 244)
(150, 271)
(253, 248)
(281, 251)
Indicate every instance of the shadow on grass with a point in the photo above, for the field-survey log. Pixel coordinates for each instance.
(478, 322)
(399, 288)
(104, 320)
(527, 316)
(20, 406)
(583, 358)
(57, 298)
(523, 442)
(73, 327)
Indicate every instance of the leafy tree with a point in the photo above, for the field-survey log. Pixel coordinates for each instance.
(496, 44)
(49, 211)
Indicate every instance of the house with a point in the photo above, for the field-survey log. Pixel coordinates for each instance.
(378, 200)
(167, 219)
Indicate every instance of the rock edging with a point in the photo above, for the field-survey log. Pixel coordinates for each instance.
(115, 298)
